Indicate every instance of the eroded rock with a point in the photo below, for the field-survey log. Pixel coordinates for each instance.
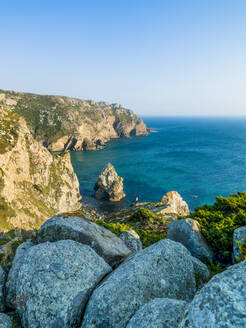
(13, 273)
(174, 204)
(164, 269)
(2, 286)
(160, 312)
(103, 241)
(109, 185)
(132, 240)
(221, 302)
(188, 233)
(5, 321)
(55, 281)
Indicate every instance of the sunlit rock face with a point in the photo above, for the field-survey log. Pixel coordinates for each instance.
(109, 185)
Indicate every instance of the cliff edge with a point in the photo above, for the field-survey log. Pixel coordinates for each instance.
(63, 123)
(34, 184)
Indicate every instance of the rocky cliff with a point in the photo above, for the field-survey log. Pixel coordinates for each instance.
(69, 123)
(34, 184)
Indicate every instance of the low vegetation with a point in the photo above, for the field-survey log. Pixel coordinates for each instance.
(8, 131)
(242, 250)
(218, 222)
(150, 227)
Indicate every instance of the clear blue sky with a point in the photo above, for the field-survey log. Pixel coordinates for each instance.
(157, 57)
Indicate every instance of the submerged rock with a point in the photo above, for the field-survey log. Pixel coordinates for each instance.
(221, 302)
(164, 269)
(188, 233)
(160, 312)
(55, 281)
(13, 273)
(174, 204)
(5, 321)
(238, 236)
(103, 241)
(132, 240)
(109, 185)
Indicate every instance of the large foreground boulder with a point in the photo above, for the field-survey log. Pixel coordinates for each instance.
(132, 240)
(174, 204)
(221, 302)
(103, 241)
(13, 273)
(161, 270)
(188, 233)
(109, 185)
(55, 281)
(2, 286)
(5, 321)
(239, 236)
(159, 313)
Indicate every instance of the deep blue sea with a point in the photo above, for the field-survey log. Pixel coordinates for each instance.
(201, 158)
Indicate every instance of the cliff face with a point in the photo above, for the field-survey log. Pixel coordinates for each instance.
(62, 123)
(34, 184)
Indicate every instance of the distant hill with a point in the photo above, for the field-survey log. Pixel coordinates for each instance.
(63, 123)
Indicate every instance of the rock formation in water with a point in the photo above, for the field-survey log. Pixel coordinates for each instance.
(34, 184)
(174, 204)
(109, 185)
(62, 123)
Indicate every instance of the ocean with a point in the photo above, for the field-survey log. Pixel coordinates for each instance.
(200, 158)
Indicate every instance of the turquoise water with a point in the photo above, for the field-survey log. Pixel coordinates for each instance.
(200, 158)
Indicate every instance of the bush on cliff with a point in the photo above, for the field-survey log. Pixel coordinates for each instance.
(148, 225)
(218, 222)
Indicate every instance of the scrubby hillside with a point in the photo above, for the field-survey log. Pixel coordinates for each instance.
(71, 123)
(34, 184)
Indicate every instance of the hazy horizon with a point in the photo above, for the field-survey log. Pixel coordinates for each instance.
(158, 58)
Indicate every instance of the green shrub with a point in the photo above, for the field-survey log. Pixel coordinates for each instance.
(219, 221)
(242, 250)
(147, 237)
(142, 215)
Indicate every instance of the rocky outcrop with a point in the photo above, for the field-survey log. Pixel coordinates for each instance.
(239, 236)
(174, 204)
(221, 302)
(109, 185)
(160, 312)
(164, 269)
(132, 240)
(2, 286)
(5, 321)
(188, 233)
(103, 241)
(34, 184)
(13, 273)
(55, 281)
(70, 123)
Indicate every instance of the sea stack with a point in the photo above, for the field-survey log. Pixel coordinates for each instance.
(109, 185)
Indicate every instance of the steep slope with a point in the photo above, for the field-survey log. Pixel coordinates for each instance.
(70, 123)
(34, 184)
